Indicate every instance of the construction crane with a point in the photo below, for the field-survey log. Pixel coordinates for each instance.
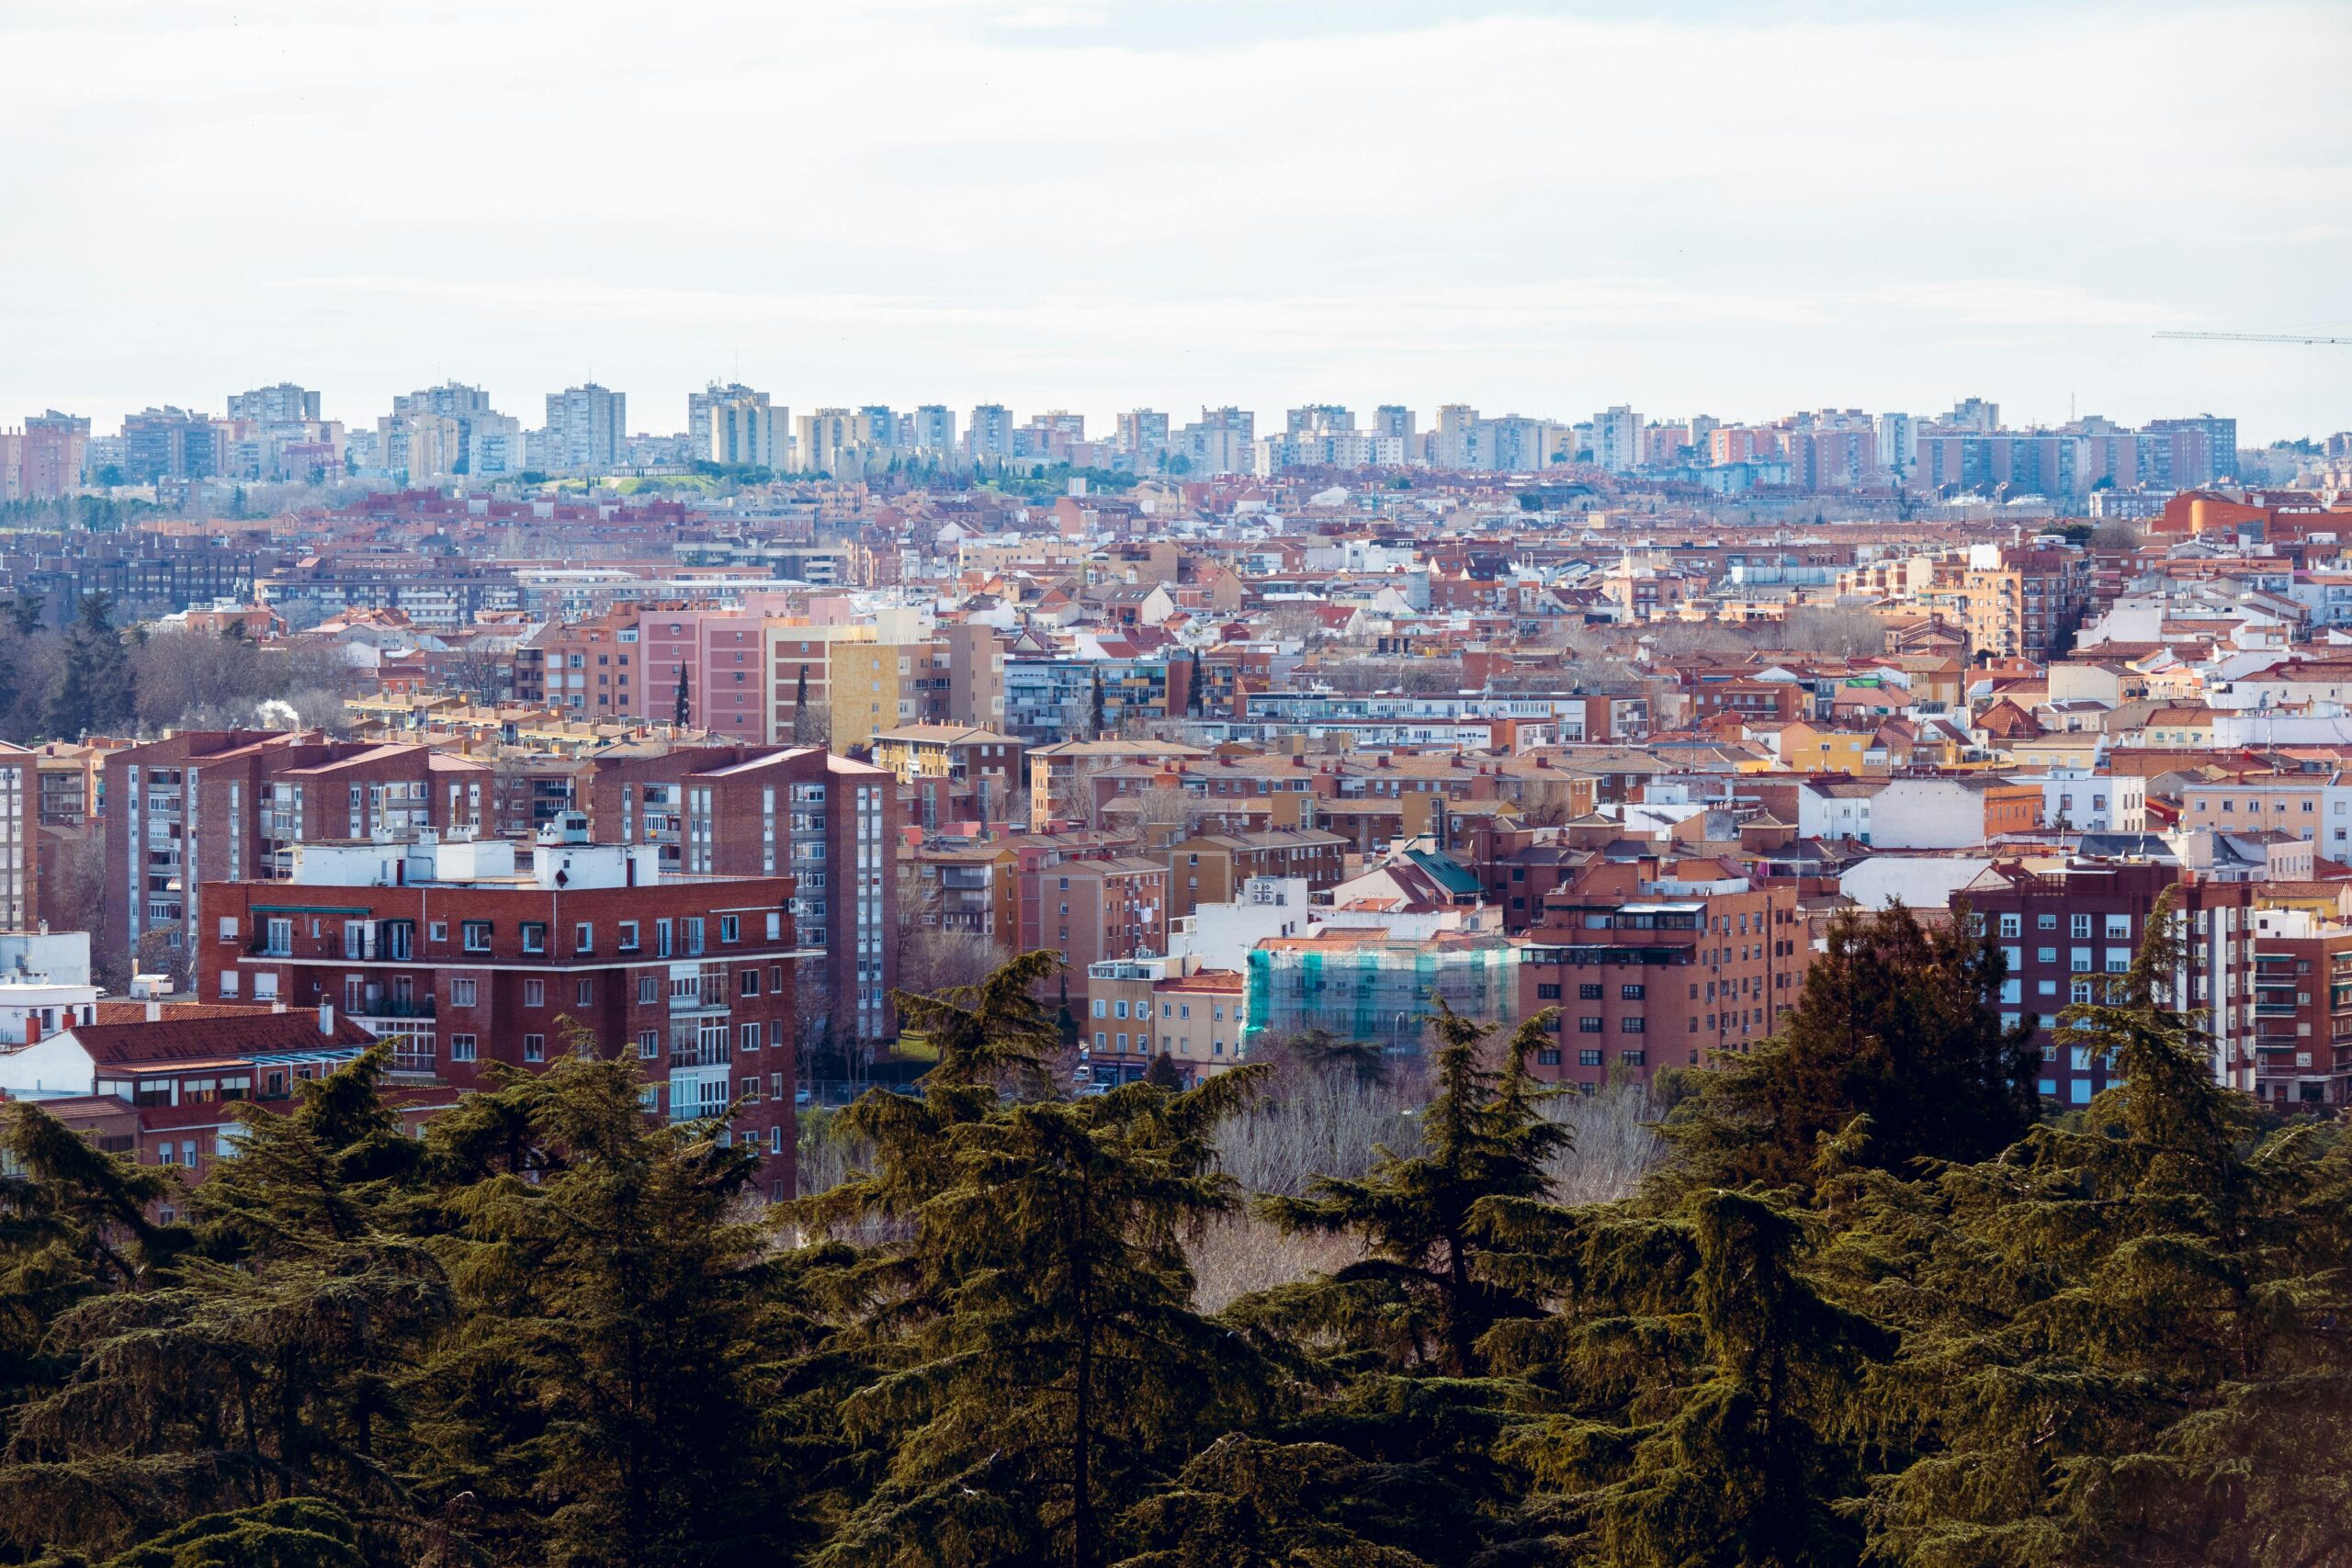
(2258, 338)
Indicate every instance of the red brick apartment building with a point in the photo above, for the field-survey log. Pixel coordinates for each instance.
(2061, 930)
(1089, 910)
(457, 956)
(825, 820)
(229, 806)
(163, 1090)
(1659, 964)
(2302, 1009)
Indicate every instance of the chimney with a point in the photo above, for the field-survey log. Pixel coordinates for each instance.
(326, 1020)
(277, 1007)
(154, 1010)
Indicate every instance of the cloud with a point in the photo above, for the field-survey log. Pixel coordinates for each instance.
(2025, 302)
(1042, 18)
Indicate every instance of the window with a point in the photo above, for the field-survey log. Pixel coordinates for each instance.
(1589, 1024)
(1548, 1058)
(2078, 926)
(535, 1047)
(535, 936)
(1588, 1058)
(461, 1047)
(461, 993)
(748, 983)
(476, 935)
(1547, 993)
(586, 995)
(1587, 993)
(2045, 923)
(649, 1044)
(437, 931)
(730, 927)
(648, 989)
(1631, 993)
(535, 993)
(750, 1037)
(1633, 1059)
(1632, 1025)
(1101, 1008)
(584, 937)
(2009, 925)
(2119, 926)
(629, 936)
(228, 928)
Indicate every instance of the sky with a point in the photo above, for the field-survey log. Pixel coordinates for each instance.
(1540, 208)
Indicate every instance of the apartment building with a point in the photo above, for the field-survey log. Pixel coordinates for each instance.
(166, 1092)
(590, 669)
(457, 953)
(1059, 771)
(751, 811)
(2316, 807)
(2302, 1009)
(1210, 868)
(2062, 930)
(718, 655)
(940, 763)
(1089, 910)
(228, 806)
(874, 686)
(1136, 1008)
(1657, 963)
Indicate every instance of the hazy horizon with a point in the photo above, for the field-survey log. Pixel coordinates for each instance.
(1538, 209)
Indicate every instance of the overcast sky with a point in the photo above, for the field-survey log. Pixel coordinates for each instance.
(1734, 209)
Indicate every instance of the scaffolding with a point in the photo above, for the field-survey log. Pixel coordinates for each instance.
(1378, 990)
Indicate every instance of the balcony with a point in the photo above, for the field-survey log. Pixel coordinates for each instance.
(379, 1010)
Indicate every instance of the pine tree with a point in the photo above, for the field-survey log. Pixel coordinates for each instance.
(602, 1402)
(1419, 1298)
(1095, 724)
(95, 692)
(263, 1368)
(73, 1224)
(27, 612)
(1698, 1379)
(1057, 1369)
(681, 705)
(1253, 1503)
(1894, 1023)
(2122, 1338)
(298, 1533)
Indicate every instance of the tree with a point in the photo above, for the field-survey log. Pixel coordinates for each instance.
(607, 1398)
(97, 692)
(74, 1224)
(1419, 1298)
(1698, 1378)
(300, 1532)
(1892, 1023)
(1094, 722)
(263, 1367)
(1061, 1371)
(2123, 1336)
(1254, 1503)
(27, 612)
(681, 705)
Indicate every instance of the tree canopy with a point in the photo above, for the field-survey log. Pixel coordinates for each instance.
(1874, 1309)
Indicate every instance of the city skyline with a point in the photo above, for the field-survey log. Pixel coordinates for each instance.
(1091, 206)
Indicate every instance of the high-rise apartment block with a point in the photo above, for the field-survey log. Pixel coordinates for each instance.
(585, 430)
(827, 821)
(1617, 439)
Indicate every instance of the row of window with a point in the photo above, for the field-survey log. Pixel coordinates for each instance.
(2078, 926)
